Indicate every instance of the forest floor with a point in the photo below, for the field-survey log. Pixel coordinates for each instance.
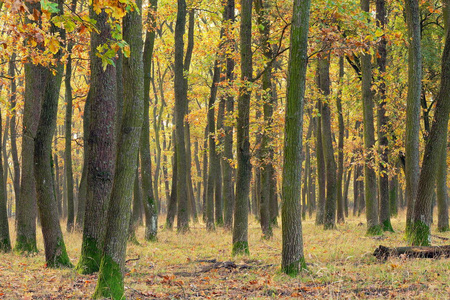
(199, 265)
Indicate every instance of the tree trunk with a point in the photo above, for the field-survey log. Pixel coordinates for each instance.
(292, 258)
(370, 178)
(172, 205)
(136, 210)
(323, 81)
(150, 203)
(341, 200)
(181, 101)
(442, 194)
(412, 108)
(420, 234)
(240, 229)
(5, 241)
(101, 151)
(55, 250)
(13, 129)
(321, 175)
(110, 278)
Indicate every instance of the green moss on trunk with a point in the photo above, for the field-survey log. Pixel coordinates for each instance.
(61, 260)
(387, 226)
(444, 229)
(374, 230)
(110, 280)
(294, 268)
(420, 234)
(24, 245)
(90, 258)
(5, 245)
(240, 248)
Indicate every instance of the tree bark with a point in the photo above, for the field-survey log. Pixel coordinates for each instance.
(292, 258)
(412, 108)
(341, 200)
(5, 241)
(240, 229)
(321, 175)
(110, 279)
(101, 150)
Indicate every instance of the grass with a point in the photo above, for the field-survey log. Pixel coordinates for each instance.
(340, 266)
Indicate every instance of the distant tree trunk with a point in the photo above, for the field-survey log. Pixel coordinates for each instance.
(412, 158)
(181, 102)
(240, 229)
(55, 250)
(442, 194)
(110, 278)
(83, 182)
(342, 208)
(355, 191)
(370, 178)
(26, 210)
(393, 196)
(150, 204)
(321, 177)
(13, 129)
(172, 205)
(205, 175)
(323, 81)
(68, 135)
(5, 165)
(101, 150)
(345, 196)
(214, 162)
(227, 169)
(5, 241)
(292, 258)
(420, 234)
(383, 142)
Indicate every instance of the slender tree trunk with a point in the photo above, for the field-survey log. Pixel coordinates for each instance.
(13, 129)
(101, 150)
(412, 108)
(442, 194)
(150, 203)
(370, 178)
(5, 241)
(393, 196)
(172, 205)
(328, 151)
(321, 177)
(240, 229)
(55, 250)
(110, 278)
(57, 180)
(341, 204)
(180, 85)
(136, 210)
(292, 258)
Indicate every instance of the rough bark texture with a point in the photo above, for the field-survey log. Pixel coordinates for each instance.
(412, 107)
(321, 177)
(383, 143)
(26, 212)
(55, 250)
(370, 177)
(442, 194)
(342, 208)
(292, 258)
(101, 151)
(181, 101)
(110, 278)
(240, 229)
(420, 234)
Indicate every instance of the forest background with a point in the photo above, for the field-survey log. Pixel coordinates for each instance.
(79, 81)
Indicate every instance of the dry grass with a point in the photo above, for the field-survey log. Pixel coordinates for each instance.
(341, 266)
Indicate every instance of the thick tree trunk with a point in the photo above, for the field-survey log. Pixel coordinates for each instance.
(101, 150)
(420, 234)
(292, 258)
(412, 108)
(442, 194)
(57, 181)
(110, 279)
(240, 229)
